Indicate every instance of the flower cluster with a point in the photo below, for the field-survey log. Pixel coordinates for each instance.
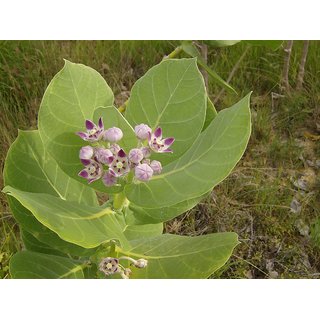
(105, 159)
(110, 266)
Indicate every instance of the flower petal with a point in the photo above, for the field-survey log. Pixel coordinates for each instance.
(158, 133)
(121, 153)
(83, 173)
(100, 123)
(89, 125)
(82, 135)
(85, 162)
(168, 141)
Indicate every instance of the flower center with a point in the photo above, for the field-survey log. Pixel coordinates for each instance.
(91, 169)
(92, 132)
(109, 265)
(119, 165)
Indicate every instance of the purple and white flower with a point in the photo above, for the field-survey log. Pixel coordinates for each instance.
(120, 164)
(93, 170)
(157, 143)
(109, 179)
(114, 148)
(142, 131)
(86, 152)
(156, 166)
(135, 155)
(143, 172)
(103, 155)
(94, 132)
(113, 134)
(109, 266)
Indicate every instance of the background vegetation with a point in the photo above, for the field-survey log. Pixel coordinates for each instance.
(272, 197)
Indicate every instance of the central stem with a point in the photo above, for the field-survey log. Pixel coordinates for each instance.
(119, 200)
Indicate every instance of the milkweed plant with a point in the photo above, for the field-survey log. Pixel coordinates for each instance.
(92, 187)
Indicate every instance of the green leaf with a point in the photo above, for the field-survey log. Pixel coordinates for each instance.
(33, 244)
(272, 44)
(80, 224)
(133, 232)
(139, 215)
(29, 168)
(171, 95)
(72, 96)
(207, 162)
(221, 43)
(210, 113)
(190, 49)
(44, 235)
(33, 265)
(172, 257)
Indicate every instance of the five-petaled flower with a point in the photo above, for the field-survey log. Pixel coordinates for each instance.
(157, 143)
(120, 164)
(94, 132)
(93, 170)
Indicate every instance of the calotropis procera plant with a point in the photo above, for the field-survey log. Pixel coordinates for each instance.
(154, 163)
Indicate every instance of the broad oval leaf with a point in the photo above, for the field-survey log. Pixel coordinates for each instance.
(171, 95)
(80, 224)
(34, 265)
(210, 159)
(133, 232)
(33, 244)
(72, 96)
(180, 257)
(29, 168)
(138, 215)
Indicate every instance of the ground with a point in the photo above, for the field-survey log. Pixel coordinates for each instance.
(271, 199)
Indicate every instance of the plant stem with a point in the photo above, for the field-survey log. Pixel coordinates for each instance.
(302, 64)
(119, 200)
(286, 66)
(173, 54)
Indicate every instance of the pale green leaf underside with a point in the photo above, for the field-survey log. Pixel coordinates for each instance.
(33, 244)
(72, 96)
(171, 95)
(180, 257)
(133, 232)
(211, 113)
(139, 215)
(80, 224)
(33, 265)
(29, 168)
(208, 161)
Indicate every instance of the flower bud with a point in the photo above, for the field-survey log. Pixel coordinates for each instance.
(142, 131)
(135, 155)
(113, 134)
(103, 155)
(143, 172)
(156, 166)
(146, 152)
(86, 152)
(141, 263)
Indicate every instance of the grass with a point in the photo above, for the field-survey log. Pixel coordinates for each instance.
(255, 199)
